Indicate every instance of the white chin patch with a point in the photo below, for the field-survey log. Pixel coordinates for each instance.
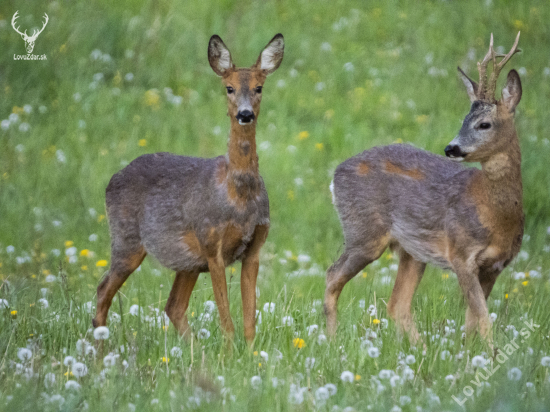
(457, 159)
(244, 123)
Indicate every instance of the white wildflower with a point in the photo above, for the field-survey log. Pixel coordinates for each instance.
(410, 359)
(43, 303)
(321, 339)
(514, 374)
(110, 360)
(349, 67)
(101, 333)
(4, 304)
(373, 352)
(404, 400)
(203, 334)
(347, 377)
(71, 385)
(135, 310)
(176, 352)
(288, 320)
(331, 388)
(269, 307)
(326, 46)
(321, 395)
(385, 374)
(545, 361)
(79, 369)
(264, 355)
(256, 382)
(312, 329)
(209, 306)
(310, 362)
(24, 127)
(68, 361)
(49, 380)
(493, 316)
(478, 361)
(372, 310)
(92, 237)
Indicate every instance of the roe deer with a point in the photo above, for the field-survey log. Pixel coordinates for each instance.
(429, 208)
(197, 215)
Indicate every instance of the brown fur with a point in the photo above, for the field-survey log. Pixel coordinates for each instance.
(363, 169)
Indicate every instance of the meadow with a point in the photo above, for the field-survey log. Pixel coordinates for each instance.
(131, 77)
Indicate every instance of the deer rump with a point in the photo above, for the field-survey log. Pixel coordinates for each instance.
(409, 197)
(171, 204)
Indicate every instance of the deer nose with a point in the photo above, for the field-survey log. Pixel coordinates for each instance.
(453, 151)
(245, 116)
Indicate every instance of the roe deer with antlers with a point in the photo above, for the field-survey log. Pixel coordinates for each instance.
(197, 215)
(429, 208)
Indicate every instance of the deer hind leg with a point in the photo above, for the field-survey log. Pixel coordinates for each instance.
(123, 265)
(343, 270)
(409, 274)
(477, 313)
(249, 275)
(178, 301)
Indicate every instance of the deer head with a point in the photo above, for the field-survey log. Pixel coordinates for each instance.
(29, 40)
(244, 85)
(488, 128)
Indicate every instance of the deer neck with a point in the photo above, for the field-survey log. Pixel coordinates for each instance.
(243, 178)
(502, 180)
(241, 152)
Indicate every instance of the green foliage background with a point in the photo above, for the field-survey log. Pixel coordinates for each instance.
(403, 87)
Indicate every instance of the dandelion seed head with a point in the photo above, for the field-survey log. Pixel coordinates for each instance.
(101, 333)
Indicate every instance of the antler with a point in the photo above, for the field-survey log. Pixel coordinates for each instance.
(15, 17)
(36, 33)
(487, 88)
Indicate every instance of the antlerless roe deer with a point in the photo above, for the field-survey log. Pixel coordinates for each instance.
(197, 215)
(429, 208)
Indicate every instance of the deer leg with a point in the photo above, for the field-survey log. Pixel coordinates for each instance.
(341, 272)
(409, 274)
(219, 284)
(249, 274)
(178, 301)
(123, 265)
(477, 313)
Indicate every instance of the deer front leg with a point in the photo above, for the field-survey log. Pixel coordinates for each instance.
(219, 284)
(477, 313)
(249, 274)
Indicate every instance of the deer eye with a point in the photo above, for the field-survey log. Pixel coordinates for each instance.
(258, 89)
(230, 90)
(485, 126)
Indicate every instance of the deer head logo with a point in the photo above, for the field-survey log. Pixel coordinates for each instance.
(29, 40)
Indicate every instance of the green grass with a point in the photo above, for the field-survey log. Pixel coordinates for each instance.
(401, 87)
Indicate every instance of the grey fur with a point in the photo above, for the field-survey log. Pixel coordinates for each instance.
(159, 197)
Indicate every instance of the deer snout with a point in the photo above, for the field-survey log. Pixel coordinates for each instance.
(453, 151)
(245, 116)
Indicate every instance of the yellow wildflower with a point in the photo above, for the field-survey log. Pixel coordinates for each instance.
(17, 110)
(142, 143)
(63, 48)
(445, 276)
(84, 267)
(364, 274)
(152, 98)
(233, 270)
(357, 377)
(255, 353)
(100, 218)
(14, 313)
(84, 252)
(319, 146)
(506, 296)
(260, 364)
(290, 195)
(165, 328)
(101, 263)
(69, 243)
(376, 321)
(165, 360)
(303, 135)
(525, 283)
(298, 343)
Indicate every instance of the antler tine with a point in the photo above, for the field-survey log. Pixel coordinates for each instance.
(482, 69)
(14, 18)
(497, 67)
(37, 32)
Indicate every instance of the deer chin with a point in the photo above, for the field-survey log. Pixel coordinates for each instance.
(245, 123)
(457, 159)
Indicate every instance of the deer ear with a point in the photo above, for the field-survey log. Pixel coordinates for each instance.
(219, 56)
(272, 55)
(471, 86)
(511, 94)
